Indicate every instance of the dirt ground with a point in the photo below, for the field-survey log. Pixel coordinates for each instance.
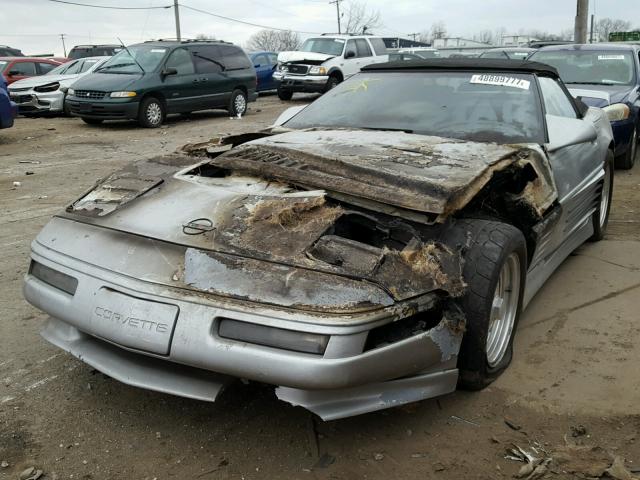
(575, 376)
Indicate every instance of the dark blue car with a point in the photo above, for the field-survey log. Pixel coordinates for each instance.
(265, 63)
(605, 75)
(8, 109)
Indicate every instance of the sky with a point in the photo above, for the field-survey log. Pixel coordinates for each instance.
(35, 26)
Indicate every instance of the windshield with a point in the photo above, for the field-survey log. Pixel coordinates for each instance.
(149, 57)
(590, 66)
(481, 107)
(59, 69)
(328, 46)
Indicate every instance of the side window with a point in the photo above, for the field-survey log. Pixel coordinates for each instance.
(45, 67)
(273, 59)
(87, 65)
(24, 68)
(261, 60)
(378, 46)
(363, 48)
(73, 68)
(351, 47)
(180, 59)
(555, 99)
(207, 59)
(234, 58)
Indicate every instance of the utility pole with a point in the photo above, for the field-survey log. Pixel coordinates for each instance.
(591, 34)
(337, 3)
(582, 18)
(64, 47)
(414, 35)
(177, 12)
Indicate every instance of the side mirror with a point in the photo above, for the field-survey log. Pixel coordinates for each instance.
(564, 132)
(349, 54)
(288, 114)
(169, 71)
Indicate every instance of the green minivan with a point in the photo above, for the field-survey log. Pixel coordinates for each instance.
(147, 81)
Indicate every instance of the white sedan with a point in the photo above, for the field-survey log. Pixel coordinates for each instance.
(46, 93)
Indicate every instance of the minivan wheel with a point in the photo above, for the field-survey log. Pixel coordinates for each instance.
(151, 113)
(284, 94)
(626, 161)
(92, 121)
(238, 103)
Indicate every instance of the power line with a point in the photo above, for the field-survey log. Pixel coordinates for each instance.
(110, 7)
(244, 22)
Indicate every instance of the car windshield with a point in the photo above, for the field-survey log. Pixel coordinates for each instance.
(88, 64)
(328, 46)
(427, 53)
(60, 69)
(595, 67)
(149, 57)
(482, 107)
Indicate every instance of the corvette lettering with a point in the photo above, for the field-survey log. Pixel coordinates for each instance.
(131, 322)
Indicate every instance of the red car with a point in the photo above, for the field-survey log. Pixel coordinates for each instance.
(17, 68)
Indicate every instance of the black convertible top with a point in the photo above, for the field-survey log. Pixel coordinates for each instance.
(468, 64)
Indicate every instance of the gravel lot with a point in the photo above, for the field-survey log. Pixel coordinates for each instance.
(576, 356)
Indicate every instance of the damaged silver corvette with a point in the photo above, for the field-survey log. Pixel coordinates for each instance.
(374, 248)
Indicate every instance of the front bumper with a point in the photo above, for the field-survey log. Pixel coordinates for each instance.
(113, 109)
(31, 101)
(301, 83)
(345, 380)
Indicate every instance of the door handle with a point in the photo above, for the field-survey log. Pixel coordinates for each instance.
(204, 79)
(196, 81)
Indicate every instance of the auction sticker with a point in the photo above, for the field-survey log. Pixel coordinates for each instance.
(610, 57)
(501, 81)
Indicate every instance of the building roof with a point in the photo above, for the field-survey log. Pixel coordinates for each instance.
(473, 64)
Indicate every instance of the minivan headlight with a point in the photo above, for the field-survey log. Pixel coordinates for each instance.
(316, 70)
(71, 91)
(617, 112)
(122, 94)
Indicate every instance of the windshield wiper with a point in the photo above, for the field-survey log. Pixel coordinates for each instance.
(107, 67)
(592, 83)
(384, 129)
(131, 54)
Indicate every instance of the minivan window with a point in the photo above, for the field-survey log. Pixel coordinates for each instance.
(207, 59)
(180, 59)
(148, 56)
(234, 58)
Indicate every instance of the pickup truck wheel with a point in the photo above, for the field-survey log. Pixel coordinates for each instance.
(284, 94)
(332, 83)
(495, 266)
(151, 113)
(600, 217)
(626, 161)
(238, 103)
(92, 121)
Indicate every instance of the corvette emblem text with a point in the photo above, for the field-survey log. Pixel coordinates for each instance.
(131, 322)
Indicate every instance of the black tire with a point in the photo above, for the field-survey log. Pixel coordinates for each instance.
(600, 223)
(238, 103)
(626, 161)
(284, 94)
(151, 113)
(92, 121)
(66, 112)
(332, 83)
(489, 244)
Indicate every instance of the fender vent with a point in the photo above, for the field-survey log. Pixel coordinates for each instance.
(265, 156)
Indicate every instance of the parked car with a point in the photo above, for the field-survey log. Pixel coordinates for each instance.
(84, 51)
(19, 68)
(147, 81)
(265, 63)
(422, 52)
(46, 93)
(7, 51)
(375, 248)
(517, 53)
(323, 62)
(604, 75)
(8, 109)
(394, 57)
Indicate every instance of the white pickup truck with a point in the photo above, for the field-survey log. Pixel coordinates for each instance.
(325, 61)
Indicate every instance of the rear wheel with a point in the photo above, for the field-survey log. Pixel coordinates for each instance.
(151, 113)
(494, 270)
(238, 103)
(600, 217)
(92, 121)
(284, 94)
(626, 161)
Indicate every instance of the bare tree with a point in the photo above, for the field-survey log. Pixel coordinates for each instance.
(274, 40)
(605, 26)
(438, 30)
(484, 36)
(425, 36)
(357, 18)
(204, 36)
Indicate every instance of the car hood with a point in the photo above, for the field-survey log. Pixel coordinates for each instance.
(235, 213)
(601, 95)
(295, 56)
(107, 82)
(42, 80)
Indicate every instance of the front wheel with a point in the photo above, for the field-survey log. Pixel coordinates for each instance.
(284, 94)
(495, 266)
(332, 83)
(238, 103)
(626, 161)
(151, 113)
(600, 218)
